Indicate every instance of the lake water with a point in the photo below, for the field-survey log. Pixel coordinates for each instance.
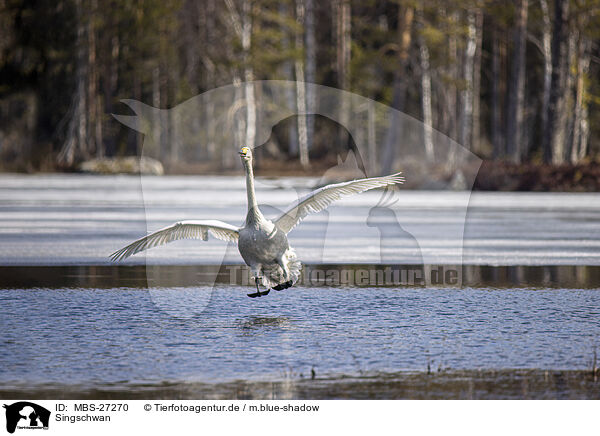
(107, 336)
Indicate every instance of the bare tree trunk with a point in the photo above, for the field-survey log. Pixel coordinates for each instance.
(137, 93)
(238, 121)
(192, 26)
(311, 67)
(547, 51)
(92, 106)
(248, 74)
(451, 99)
(174, 137)
(100, 151)
(98, 133)
(498, 149)
(584, 133)
(75, 145)
(157, 121)
(162, 73)
(371, 143)
(580, 128)
(111, 72)
(467, 93)
(426, 94)
(242, 26)
(288, 74)
(516, 94)
(343, 43)
(554, 135)
(301, 89)
(568, 111)
(208, 17)
(343, 39)
(405, 21)
(581, 111)
(476, 135)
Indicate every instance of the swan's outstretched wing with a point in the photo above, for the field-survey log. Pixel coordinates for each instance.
(179, 230)
(319, 199)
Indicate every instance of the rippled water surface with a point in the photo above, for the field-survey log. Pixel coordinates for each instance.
(99, 336)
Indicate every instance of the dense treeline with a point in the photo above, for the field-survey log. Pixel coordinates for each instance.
(514, 80)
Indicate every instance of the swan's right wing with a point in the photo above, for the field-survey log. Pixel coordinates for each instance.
(180, 230)
(319, 199)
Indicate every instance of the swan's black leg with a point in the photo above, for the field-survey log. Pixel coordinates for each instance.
(258, 293)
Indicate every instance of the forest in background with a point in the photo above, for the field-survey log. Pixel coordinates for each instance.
(516, 82)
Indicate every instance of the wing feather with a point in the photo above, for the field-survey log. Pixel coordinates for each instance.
(321, 198)
(179, 230)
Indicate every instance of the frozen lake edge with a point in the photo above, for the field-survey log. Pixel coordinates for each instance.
(74, 219)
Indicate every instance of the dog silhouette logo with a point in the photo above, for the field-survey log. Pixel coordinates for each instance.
(26, 415)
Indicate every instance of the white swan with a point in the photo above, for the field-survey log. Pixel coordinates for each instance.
(262, 243)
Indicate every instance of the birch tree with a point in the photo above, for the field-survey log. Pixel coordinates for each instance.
(75, 145)
(516, 93)
(476, 134)
(248, 75)
(343, 40)
(311, 68)
(425, 91)
(580, 123)
(405, 22)
(242, 25)
(495, 103)
(467, 93)
(301, 88)
(553, 139)
(547, 54)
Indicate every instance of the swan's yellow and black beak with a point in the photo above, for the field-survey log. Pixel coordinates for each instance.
(245, 151)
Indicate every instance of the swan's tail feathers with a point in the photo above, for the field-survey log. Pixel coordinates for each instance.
(274, 276)
(293, 264)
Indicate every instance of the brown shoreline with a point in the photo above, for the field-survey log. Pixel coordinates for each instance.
(140, 276)
(446, 384)
(532, 177)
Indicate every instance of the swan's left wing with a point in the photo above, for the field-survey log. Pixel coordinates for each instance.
(321, 198)
(180, 230)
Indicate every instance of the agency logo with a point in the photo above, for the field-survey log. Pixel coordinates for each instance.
(26, 415)
(366, 138)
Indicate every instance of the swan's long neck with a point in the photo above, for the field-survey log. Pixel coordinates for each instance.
(254, 214)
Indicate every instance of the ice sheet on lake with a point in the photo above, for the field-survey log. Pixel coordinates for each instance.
(81, 219)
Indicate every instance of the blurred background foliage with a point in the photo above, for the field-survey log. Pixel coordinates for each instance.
(515, 82)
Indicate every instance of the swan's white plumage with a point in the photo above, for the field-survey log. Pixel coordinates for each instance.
(192, 229)
(273, 274)
(321, 198)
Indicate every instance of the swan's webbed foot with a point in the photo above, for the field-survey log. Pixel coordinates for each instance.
(283, 286)
(258, 293)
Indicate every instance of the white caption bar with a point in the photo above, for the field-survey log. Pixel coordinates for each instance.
(298, 417)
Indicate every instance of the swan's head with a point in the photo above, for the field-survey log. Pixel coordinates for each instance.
(246, 154)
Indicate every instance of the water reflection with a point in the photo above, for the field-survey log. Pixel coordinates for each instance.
(260, 322)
